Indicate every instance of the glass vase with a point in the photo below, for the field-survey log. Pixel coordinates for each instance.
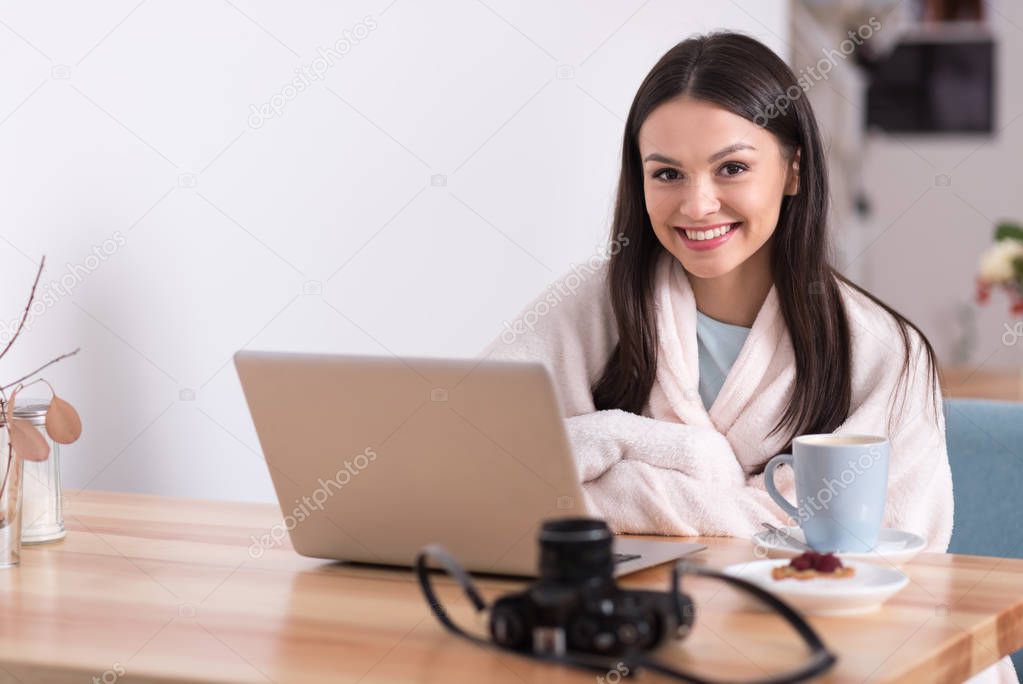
(42, 515)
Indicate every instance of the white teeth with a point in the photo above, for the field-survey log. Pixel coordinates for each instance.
(707, 234)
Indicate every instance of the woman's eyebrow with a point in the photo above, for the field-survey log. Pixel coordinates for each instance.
(735, 147)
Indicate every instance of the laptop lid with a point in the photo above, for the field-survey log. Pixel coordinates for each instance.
(374, 457)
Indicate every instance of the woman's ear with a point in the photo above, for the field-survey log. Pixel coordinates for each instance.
(792, 179)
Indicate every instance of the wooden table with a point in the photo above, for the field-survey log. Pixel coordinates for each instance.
(982, 382)
(161, 589)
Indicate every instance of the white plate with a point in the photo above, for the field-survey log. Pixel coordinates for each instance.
(893, 546)
(865, 591)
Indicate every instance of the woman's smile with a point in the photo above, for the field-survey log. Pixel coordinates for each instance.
(702, 239)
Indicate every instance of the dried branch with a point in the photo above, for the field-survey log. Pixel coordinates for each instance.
(48, 363)
(24, 315)
(37, 380)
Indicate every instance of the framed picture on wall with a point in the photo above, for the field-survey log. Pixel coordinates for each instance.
(934, 87)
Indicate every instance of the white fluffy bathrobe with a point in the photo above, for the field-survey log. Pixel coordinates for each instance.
(681, 469)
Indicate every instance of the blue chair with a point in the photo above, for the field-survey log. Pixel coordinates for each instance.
(985, 450)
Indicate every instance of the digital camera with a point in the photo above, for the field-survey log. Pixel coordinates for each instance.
(576, 605)
(575, 614)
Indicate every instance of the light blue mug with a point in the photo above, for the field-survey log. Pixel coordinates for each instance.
(841, 488)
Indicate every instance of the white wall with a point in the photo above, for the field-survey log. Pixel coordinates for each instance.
(927, 237)
(185, 228)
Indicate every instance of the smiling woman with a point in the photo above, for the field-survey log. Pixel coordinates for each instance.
(739, 199)
(722, 330)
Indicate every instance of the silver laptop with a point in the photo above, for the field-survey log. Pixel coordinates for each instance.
(374, 457)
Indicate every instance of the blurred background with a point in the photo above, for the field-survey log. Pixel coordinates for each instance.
(398, 177)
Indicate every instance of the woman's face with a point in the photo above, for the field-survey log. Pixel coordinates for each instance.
(708, 170)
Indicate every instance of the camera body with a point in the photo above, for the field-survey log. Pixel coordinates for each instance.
(576, 605)
(599, 620)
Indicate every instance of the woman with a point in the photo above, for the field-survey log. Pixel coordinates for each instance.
(718, 329)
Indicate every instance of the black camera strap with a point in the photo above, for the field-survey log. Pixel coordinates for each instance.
(821, 659)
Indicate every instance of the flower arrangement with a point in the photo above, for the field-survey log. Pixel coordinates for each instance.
(1002, 266)
(24, 441)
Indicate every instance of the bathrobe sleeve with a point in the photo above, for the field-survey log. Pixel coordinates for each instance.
(646, 491)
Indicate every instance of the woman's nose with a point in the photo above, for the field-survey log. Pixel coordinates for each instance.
(699, 200)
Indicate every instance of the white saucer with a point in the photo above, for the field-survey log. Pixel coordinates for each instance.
(893, 546)
(864, 592)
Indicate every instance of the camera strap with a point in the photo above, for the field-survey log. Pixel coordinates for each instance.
(821, 659)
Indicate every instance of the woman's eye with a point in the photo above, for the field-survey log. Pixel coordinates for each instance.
(730, 170)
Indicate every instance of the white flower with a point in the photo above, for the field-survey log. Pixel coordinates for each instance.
(996, 262)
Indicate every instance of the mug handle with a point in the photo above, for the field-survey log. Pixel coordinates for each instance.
(773, 491)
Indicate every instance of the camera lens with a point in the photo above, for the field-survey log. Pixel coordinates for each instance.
(576, 549)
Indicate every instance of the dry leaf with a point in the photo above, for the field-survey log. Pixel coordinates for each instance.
(28, 443)
(62, 422)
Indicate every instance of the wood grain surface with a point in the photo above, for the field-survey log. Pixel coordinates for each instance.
(982, 382)
(157, 589)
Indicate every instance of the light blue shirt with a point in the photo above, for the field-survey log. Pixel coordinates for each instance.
(719, 345)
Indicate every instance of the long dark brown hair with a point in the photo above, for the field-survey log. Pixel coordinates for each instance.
(743, 76)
